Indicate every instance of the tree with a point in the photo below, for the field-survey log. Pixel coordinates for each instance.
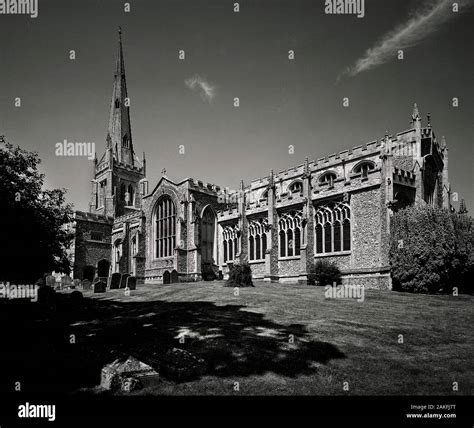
(35, 236)
(431, 250)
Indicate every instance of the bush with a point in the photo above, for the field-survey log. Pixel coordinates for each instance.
(240, 276)
(431, 250)
(324, 273)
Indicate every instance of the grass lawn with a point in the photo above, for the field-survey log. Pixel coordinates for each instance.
(276, 339)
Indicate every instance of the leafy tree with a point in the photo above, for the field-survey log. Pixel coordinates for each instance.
(430, 250)
(240, 276)
(323, 273)
(33, 220)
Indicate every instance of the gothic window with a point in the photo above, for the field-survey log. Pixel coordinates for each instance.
(230, 242)
(165, 228)
(291, 231)
(363, 168)
(122, 192)
(257, 239)
(328, 178)
(117, 255)
(117, 103)
(125, 141)
(333, 228)
(102, 187)
(96, 236)
(130, 195)
(296, 187)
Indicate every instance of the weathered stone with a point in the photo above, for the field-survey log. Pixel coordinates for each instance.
(77, 283)
(127, 373)
(50, 281)
(181, 365)
(100, 287)
(115, 280)
(130, 384)
(86, 285)
(132, 283)
(123, 282)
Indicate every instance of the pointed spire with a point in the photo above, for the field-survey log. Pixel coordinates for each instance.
(428, 116)
(144, 164)
(415, 117)
(120, 70)
(444, 146)
(242, 186)
(119, 121)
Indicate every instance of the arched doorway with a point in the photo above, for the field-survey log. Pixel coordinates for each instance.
(103, 268)
(166, 277)
(208, 230)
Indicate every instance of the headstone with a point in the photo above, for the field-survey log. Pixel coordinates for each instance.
(127, 375)
(86, 285)
(132, 283)
(77, 283)
(100, 287)
(181, 365)
(66, 281)
(115, 280)
(50, 281)
(123, 283)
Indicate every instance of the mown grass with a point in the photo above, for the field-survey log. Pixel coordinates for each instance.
(271, 339)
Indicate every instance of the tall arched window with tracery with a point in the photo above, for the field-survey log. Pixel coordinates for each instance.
(333, 228)
(165, 228)
(290, 233)
(230, 235)
(257, 239)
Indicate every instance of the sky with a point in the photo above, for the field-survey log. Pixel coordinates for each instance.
(190, 102)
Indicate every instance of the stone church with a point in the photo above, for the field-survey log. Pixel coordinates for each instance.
(336, 208)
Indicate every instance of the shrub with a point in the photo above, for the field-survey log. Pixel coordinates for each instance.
(324, 272)
(430, 250)
(240, 276)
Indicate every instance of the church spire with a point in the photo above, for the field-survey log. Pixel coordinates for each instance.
(119, 121)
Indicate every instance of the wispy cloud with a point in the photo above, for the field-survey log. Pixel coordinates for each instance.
(423, 22)
(207, 91)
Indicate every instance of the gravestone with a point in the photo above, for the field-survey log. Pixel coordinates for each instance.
(132, 283)
(180, 365)
(77, 283)
(86, 285)
(66, 281)
(123, 283)
(115, 280)
(100, 287)
(128, 375)
(51, 281)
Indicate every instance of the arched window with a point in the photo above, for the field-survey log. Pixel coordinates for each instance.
(327, 179)
(122, 192)
(130, 195)
(117, 103)
(333, 228)
(165, 228)
(257, 239)
(230, 235)
(125, 141)
(363, 168)
(296, 187)
(319, 239)
(291, 230)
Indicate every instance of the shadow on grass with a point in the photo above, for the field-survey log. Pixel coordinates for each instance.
(233, 341)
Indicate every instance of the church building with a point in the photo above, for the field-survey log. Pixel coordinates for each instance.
(335, 208)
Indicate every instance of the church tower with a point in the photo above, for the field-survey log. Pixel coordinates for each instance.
(117, 174)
